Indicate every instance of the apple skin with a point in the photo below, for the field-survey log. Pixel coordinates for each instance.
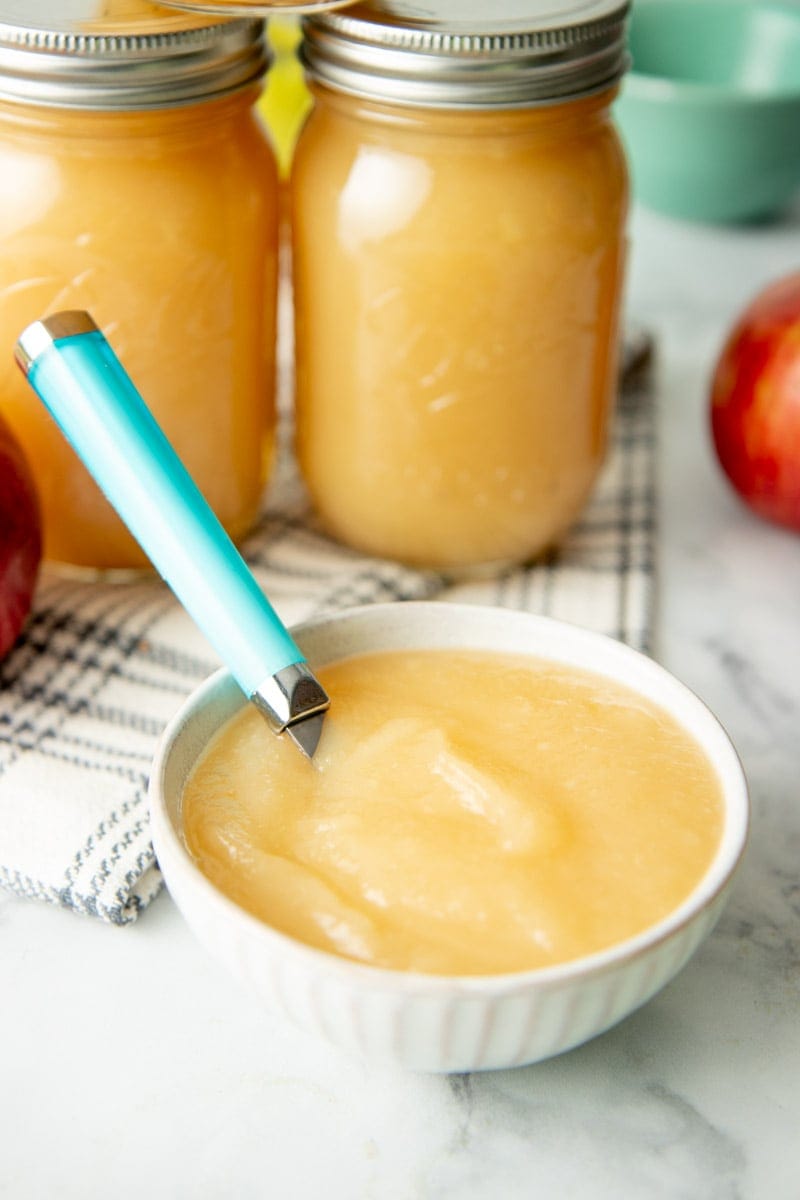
(20, 539)
(755, 404)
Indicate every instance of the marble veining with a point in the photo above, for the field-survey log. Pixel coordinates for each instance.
(517, 1128)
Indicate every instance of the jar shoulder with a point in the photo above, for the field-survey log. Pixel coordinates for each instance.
(334, 138)
(349, 171)
(60, 173)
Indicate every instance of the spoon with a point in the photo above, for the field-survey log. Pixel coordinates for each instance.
(85, 388)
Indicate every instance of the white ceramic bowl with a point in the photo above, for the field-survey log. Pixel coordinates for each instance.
(440, 1023)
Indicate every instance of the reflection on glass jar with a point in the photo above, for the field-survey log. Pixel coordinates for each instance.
(458, 251)
(136, 183)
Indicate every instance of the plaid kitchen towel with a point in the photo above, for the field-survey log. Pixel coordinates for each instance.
(102, 667)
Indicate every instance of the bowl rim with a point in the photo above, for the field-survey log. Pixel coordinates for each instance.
(709, 889)
(664, 87)
(640, 85)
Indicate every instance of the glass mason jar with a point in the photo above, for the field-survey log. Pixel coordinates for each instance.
(136, 182)
(459, 202)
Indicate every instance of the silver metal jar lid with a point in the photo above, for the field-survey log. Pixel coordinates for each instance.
(444, 54)
(122, 54)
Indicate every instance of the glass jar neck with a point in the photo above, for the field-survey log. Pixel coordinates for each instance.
(489, 122)
(86, 123)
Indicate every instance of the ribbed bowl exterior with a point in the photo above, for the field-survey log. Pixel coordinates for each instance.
(433, 1025)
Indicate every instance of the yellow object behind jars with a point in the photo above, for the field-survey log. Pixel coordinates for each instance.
(285, 100)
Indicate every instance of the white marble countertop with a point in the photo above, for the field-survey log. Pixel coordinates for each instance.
(130, 1065)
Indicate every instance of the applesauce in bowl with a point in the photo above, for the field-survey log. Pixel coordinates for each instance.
(514, 832)
(542, 814)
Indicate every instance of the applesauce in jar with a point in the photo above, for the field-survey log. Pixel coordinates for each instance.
(466, 813)
(137, 183)
(458, 210)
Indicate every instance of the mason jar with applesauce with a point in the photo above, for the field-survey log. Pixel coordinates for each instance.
(459, 199)
(136, 182)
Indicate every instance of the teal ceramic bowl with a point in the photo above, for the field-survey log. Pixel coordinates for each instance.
(710, 111)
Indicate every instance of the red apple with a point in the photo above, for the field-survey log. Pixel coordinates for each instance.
(20, 539)
(755, 403)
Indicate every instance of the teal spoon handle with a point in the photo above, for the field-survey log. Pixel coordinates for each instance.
(85, 388)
